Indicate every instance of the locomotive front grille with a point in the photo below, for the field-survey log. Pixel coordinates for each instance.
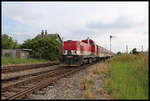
(69, 52)
(70, 60)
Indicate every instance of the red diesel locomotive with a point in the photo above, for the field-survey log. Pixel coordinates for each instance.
(76, 53)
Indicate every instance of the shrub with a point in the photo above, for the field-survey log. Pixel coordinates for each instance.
(7, 54)
(46, 48)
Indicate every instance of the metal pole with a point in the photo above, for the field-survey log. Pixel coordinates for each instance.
(142, 48)
(62, 45)
(127, 48)
(110, 43)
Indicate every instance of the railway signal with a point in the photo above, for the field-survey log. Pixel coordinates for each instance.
(110, 41)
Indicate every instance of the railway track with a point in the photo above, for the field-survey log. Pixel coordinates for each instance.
(21, 67)
(23, 79)
(26, 73)
(19, 88)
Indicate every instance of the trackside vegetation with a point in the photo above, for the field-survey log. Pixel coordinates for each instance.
(128, 76)
(7, 60)
(45, 48)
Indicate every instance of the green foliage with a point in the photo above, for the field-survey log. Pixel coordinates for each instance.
(7, 54)
(118, 53)
(8, 42)
(134, 51)
(46, 48)
(128, 76)
(6, 60)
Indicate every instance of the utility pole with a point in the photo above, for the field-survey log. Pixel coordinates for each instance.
(127, 48)
(142, 48)
(110, 43)
(62, 45)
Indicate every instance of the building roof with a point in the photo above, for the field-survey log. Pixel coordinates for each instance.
(27, 49)
(19, 49)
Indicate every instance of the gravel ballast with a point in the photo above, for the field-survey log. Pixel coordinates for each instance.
(68, 87)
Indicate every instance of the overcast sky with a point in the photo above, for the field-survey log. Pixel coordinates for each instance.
(127, 21)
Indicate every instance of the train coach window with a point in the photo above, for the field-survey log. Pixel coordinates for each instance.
(69, 40)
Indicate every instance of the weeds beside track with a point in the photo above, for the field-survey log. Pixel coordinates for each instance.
(128, 77)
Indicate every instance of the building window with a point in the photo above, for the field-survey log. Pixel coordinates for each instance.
(22, 54)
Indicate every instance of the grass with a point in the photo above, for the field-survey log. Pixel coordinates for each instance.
(6, 60)
(89, 94)
(128, 76)
(86, 84)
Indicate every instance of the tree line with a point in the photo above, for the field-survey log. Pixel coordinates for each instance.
(8, 42)
(133, 51)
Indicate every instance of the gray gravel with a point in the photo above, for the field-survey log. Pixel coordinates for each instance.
(67, 88)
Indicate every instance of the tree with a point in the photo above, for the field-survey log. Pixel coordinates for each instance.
(134, 51)
(46, 48)
(119, 53)
(27, 44)
(8, 42)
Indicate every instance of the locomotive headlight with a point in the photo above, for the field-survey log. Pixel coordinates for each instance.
(74, 52)
(65, 52)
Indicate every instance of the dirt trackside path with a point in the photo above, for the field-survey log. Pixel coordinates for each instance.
(82, 85)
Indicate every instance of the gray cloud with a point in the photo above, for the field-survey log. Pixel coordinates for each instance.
(121, 23)
(70, 21)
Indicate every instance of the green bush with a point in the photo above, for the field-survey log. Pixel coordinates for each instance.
(7, 54)
(134, 51)
(46, 48)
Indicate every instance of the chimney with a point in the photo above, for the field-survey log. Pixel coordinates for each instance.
(42, 33)
(45, 32)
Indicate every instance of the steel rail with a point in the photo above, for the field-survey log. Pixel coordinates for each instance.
(31, 79)
(30, 72)
(15, 68)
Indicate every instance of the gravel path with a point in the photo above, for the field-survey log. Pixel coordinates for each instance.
(67, 88)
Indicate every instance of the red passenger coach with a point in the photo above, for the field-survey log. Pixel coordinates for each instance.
(76, 53)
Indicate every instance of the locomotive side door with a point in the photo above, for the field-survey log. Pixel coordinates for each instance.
(81, 50)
